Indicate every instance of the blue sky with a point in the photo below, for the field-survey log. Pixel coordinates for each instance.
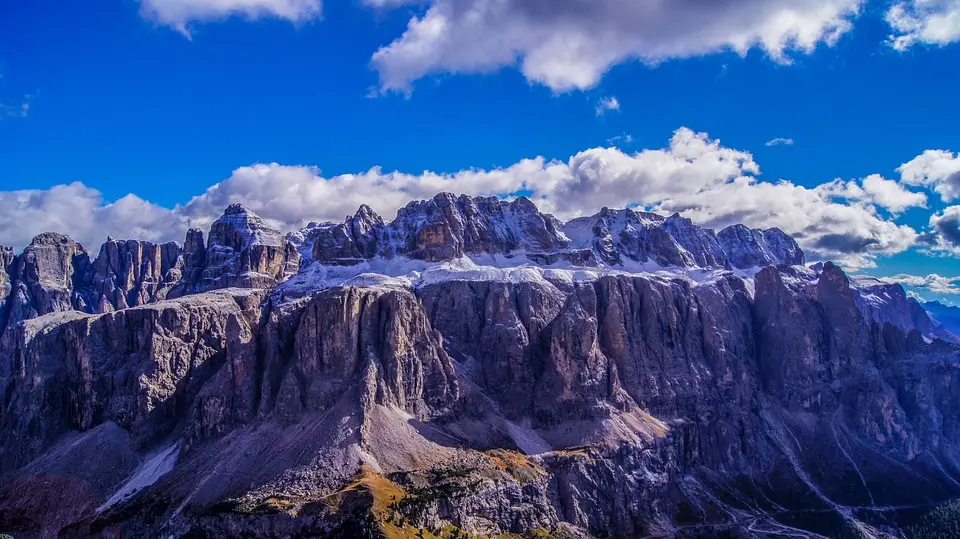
(165, 101)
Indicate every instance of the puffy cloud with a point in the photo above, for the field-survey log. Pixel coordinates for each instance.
(928, 22)
(180, 13)
(825, 225)
(935, 169)
(879, 191)
(933, 282)
(570, 44)
(607, 104)
(780, 141)
(945, 231)
(82, 212)
(694, 174)
(291, 196)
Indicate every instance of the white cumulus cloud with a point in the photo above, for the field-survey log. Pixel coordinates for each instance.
(570, 44)
(607, 104)
(180, 13)
(935, 169)
(933, 282)
(944, 235)
(927, 22)
(82, 212)
(879, 191)
(694, 174)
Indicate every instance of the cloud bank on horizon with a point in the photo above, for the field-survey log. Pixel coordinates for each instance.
(570, 44)
(852, 221)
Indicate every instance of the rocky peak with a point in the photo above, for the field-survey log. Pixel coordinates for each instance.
(56, 272)
(52, 258)
(365, 222)
(194, 242)
(239, 228)
(748, 248)
(883, 303)
(243, 251)
(442, 228)
(131, 272)
(6, 259)
(446, 227)
(945, 317)
(701, 243)
(360, 237)
(622, 236)
(193, 258)
(305, 238)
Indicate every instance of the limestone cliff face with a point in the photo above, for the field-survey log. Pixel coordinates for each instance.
(442, 228)
(379, 336)
(6, 259)
(679, 392)
(52, 274)
(131, 273)
(242, 251)
(748, 248)
(137, 368)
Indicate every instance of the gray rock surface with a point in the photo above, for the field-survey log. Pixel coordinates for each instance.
(448, 227)
(243, 251)
(748, 248)
(442, 228)
(52, 274)
(131, 273)
(6, 260)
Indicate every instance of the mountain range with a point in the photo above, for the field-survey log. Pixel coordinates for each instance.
(472, 368)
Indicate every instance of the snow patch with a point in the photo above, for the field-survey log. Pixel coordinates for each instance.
(409, 273)
(149, 473)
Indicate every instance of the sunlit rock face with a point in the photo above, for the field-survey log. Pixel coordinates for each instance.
(645, 383)
(242, 251)
(448, 227)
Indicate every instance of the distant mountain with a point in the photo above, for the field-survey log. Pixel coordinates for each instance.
(946, 315)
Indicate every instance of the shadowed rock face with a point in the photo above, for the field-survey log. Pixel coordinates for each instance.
(359, 238)
(758, 248)
(627, 405)
(6, 259)
(138, 368)
(52, 274)
(382, 337)
(131, 273)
